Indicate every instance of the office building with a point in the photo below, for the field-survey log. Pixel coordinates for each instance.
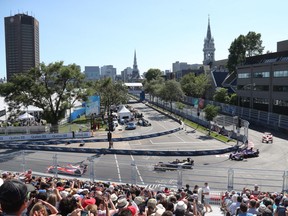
(92, 73)
(22, 44)
(108, 71)
(262, 81)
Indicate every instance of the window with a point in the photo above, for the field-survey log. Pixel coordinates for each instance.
(261, 74)
(281, 73)
(280, 88)
(243, 75)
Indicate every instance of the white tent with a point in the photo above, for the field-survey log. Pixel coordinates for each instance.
(25, 116)
(124, 113)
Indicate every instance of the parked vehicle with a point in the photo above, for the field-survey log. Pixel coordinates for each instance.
(143, 122)
(185, 164)
(267, 137)
(130, 126)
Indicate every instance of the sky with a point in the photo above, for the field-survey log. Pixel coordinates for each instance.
(106, 32)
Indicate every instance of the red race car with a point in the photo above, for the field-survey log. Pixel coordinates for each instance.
(267, 137)
(77, 169)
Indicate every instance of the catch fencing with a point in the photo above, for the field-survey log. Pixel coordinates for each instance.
(140, 170)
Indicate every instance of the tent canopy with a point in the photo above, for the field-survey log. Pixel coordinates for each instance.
(25, 116)
(124, 113)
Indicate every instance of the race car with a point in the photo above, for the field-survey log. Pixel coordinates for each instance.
(174, 165)
(267, 137)
(77, 169)
(243, 154)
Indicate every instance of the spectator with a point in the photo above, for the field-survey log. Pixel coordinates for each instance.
(281, 209)
(236, 200)
(13, 194)
(256, 190)
(40, 208)
(243, 210)
(252, 207)
(206, 199)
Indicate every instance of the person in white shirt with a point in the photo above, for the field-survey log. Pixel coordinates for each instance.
(206, 194)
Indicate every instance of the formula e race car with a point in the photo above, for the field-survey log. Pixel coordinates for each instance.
(77, 169)
(174, 165)
(244, 153)
(267, 137)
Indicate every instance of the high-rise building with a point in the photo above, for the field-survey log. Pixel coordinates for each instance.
(108, 71)
(92, 72)
(209, 47)
(22, 44)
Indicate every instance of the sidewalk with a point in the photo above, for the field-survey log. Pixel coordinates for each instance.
(216, 211)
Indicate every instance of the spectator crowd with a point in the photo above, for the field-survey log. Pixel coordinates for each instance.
(30, 195)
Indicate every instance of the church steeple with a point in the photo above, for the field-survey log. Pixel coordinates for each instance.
(208, 30)
(135, 72)
(209, 47)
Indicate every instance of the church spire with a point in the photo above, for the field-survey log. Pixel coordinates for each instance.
(208, 29)
(135, 71)
(209, 47)
(135, 67)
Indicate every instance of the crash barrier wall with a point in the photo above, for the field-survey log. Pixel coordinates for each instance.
(24, 129)
(140, 171)
(35, 146)
(46, 136)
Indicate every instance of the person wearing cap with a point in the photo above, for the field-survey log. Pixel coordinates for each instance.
(13, 197)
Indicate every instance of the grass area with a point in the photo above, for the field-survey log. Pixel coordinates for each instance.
(80, 123)
(197, 127)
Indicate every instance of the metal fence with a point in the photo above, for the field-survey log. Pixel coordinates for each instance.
(143, 173)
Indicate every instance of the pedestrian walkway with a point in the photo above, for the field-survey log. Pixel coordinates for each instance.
(216, 211)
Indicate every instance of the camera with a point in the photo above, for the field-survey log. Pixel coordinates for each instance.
(84, 213)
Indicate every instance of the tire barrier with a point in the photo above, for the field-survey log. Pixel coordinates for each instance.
(120, 139)
(119, 151)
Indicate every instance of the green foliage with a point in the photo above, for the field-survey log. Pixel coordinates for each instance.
(111, 93)
(154, 86)
(180, 105)
(195, 86)
(171, 91)
(153, 74)
(221, 95)
(54, 88)
(233, 99)
(242, 47)
(211, 112)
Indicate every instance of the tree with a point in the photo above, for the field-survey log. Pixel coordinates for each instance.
(111, 93)
(171, 91)
(153, 74)
(211, 112)
(236, 53)
(221, 95)
(195, 86)
(54, 88)
(242, 47)
(153, 87)
(253, 44)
